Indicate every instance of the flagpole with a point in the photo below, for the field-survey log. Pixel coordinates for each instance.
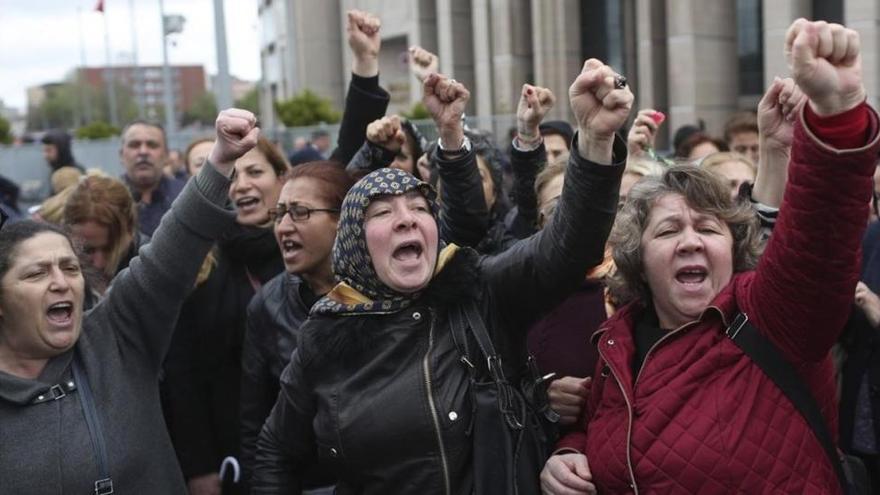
(109, 80)
(80, 77)
(170, 127)
(224, 83)
(136, 70)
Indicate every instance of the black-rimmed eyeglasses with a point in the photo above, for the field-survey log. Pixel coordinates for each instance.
(298, 213)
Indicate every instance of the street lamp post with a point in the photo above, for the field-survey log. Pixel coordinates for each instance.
(170, 121)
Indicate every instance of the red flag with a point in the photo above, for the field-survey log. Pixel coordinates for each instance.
(99, 7)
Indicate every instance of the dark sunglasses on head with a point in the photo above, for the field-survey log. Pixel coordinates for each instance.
(298, 213)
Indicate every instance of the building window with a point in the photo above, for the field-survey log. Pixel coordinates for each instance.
(750, 46)
(603, 28)
(828, 10)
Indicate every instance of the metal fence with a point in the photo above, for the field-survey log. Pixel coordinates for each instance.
(25, 165)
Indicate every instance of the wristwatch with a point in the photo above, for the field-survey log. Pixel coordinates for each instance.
(466, 147)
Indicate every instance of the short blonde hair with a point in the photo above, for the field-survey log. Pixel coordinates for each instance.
(716, 159)
(64, 177)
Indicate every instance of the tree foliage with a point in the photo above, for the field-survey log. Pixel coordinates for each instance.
(306, 108)
(203, 110)
(69, 104)
(250, 101)
(5, 131)
(417, 112)
(97, 130)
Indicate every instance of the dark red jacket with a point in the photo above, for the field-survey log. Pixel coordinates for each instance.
(701, 417)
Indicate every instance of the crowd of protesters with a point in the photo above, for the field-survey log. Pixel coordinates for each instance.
(571, 313)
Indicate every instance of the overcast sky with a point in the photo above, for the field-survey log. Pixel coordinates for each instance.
(40, 39)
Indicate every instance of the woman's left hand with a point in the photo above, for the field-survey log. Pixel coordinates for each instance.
(568, 395)
(601, 102)
(869, 302)
(237, 133)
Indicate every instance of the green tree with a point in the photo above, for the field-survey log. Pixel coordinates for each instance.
(67, 104)
(5, 131)
(203, 110)
(306, 108)
(417, 112)
(250, 101)
(97, 130)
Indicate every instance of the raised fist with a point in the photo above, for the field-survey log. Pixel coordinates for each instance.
(364, 41)
(643, 131)
(534, 103)
(825, 62)
(387, 133)
(601, 102)
(422, 62)
(445, 99)
(237, 133)
(776, 113)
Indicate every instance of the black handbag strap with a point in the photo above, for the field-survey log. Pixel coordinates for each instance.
(771, 361)
(506, 399)
(478, 329)
(104, 485)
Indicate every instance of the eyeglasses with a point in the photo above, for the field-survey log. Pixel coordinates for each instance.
(298, 213)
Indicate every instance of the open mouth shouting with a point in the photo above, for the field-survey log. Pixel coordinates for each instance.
(408, 252)
(692, 276)
(247, 204)
(60, 314)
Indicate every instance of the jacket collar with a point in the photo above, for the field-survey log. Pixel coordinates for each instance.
(616, 342)
(22, 391)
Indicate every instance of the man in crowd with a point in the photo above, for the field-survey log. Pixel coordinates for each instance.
(557, 136)
(318, 148)
(741, 134)
(144, 153)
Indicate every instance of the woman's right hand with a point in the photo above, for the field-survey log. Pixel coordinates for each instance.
(567, 397)
(387, 133)
(534, 103)
(237, 133)
(643, 131)
(567, 474)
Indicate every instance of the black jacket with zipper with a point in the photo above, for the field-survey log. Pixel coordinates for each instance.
(385, 399)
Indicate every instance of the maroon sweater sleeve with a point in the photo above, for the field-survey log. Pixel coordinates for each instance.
(800, 294)
(843, 131)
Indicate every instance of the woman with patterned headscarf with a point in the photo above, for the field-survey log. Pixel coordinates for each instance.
(378, 389)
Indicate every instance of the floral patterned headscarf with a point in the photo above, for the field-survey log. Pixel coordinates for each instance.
(359, 289)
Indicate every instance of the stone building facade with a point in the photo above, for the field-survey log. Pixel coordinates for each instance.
(692, 59)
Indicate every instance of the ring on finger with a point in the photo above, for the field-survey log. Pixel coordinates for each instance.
(619, 81)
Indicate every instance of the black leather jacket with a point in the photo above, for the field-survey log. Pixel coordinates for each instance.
(275, 316)
(385, 399)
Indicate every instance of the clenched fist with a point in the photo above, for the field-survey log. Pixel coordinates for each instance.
(237, 133)
(600, 109)
(825, 63)
(776, 112)
(534, 103)
(364, 41)
(643, 131)
(387, 133)
(422, 62)
(446, 99)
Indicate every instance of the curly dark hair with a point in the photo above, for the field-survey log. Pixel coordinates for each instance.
(703, 192)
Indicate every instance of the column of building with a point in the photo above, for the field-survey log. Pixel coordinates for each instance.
(702, 55)
(556, 44)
